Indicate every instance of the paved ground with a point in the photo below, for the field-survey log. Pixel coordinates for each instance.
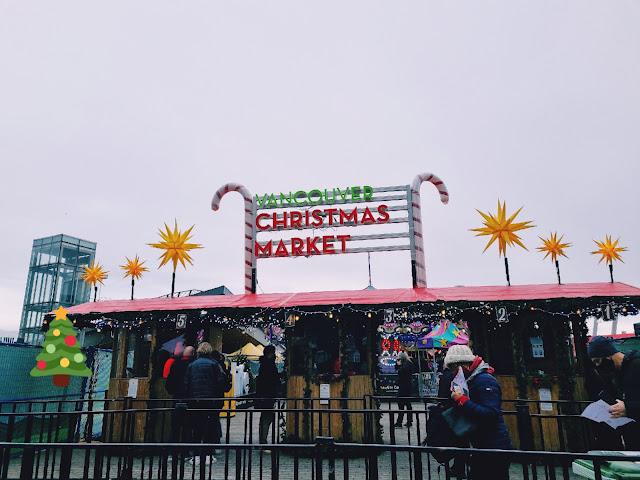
(253, 465)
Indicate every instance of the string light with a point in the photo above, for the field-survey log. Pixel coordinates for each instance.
(424, 312)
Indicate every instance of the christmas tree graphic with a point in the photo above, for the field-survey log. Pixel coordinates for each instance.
(61, 355)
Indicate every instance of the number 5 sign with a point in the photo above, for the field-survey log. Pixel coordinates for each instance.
(501, 314)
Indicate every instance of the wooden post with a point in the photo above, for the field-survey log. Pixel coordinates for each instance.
(215, 337)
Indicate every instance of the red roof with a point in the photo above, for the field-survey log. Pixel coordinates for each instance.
(362, 297)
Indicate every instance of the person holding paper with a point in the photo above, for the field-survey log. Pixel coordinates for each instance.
(484, 406)
(605, 355)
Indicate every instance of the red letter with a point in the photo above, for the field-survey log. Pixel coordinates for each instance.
(384, 216)
(296, 246)
(367, 217)
(330, 212)
(258, 218)
(295, 222)
(311, 245)
(277, 222)
(353, 216)
(266, 250)
(327, 244)
(343, 239)
(281, 251)
(317, 217)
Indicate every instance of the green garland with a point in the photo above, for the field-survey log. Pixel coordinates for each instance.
(566, 374)
(344, 394)
(306, 393)
(519, 368)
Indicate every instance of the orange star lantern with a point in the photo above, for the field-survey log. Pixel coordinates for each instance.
(554, 247)
(609, 251)
(175, 248)
(92, 275)
(502, 229)
(134, 269)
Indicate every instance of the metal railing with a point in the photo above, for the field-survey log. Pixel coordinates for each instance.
(296, 420)
(325, 459)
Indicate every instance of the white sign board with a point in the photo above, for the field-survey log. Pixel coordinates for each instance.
(325, 392)
(133, 388)
(545, 395)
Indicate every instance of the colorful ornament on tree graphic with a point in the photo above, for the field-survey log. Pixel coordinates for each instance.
(61, 355)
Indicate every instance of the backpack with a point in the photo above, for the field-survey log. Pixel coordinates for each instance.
(226, 380)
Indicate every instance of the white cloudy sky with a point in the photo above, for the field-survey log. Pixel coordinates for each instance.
(118, 116)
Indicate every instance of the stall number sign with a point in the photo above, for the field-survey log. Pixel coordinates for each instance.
(609, 313)
(181, 321)
(501, 314)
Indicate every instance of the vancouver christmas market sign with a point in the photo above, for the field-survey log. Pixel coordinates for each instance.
(61, 355)
(333, 208)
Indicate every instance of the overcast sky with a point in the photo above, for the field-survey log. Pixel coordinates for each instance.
(120, 116)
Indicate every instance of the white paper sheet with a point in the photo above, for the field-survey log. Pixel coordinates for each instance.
(133, 388)
(599, 412)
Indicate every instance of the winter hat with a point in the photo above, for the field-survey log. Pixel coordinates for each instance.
(458, 354)
(601, 347)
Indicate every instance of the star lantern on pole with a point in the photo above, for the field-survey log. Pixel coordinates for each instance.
(175, 246)
(61, 355)
(609, 251)
(92, 275)
(502, 229)
(134, 269)
(553, 246)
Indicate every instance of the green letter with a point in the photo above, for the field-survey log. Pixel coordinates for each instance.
(367, 196)
(260, 203)
(283, 197)
(295, 197)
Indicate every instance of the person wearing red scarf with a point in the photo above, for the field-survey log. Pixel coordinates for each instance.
(483, 405)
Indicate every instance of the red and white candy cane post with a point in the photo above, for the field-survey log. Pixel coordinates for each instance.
(417, 253)
(249, 234)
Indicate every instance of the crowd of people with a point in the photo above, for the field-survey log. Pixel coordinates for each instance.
(471, 401)
(198, 380)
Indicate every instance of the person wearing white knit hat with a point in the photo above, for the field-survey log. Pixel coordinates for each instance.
(484, 407)
(458, 355)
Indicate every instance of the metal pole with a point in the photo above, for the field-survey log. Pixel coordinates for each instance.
(611, 271)
(558, 272)
(506, 269)
(132, 283)
(369, 261)
(173, 283)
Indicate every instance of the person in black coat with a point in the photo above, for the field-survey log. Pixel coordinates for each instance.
(175, 386)
(605, 355)
(405, 380)
(267, 385)
(483, 406)
(203, 382)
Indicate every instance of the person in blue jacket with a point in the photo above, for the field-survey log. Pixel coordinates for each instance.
(483, 406)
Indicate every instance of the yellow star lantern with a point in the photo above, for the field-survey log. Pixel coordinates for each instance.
(609, 251)
(134, 269)
(554, 247)
(92, 275)
(502, 229)
(175, 246)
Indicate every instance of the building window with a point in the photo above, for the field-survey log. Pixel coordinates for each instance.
(537, 348)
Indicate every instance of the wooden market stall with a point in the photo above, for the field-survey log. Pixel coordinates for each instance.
(533, 335)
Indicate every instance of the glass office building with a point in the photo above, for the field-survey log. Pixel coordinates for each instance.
(54, 279)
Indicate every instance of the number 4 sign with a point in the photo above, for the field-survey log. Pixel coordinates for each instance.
(501, 314)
